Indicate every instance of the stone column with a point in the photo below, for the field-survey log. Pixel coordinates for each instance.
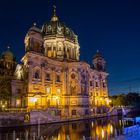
(52, 50)
(45, 46)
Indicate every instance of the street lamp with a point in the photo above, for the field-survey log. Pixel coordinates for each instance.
(3, 107)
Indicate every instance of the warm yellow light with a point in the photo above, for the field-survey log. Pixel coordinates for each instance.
(101, 99)
(3, 106)
(48, 89)
(18, 102)
(103, 134)
(33, 99)
(92, 124)
(19, 72)
(107, 100)
(111, 129)
(55, 97)
(58, 91)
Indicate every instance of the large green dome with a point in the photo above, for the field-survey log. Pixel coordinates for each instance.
(58, 29)
(55, 28)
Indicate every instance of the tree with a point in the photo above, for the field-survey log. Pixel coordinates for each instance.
(130, 99)
(5, 89)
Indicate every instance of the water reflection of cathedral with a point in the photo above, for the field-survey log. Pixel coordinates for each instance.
(100, 129)
(51, 73)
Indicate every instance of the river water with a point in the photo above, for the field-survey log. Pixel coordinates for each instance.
(100, 129)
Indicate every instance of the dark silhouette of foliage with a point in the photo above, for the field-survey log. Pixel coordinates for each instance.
(130, 99)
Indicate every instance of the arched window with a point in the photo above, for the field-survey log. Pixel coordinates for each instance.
(73, 76)
(49, 52)
(54, 51)
(91, 83)
(104, 84)
(48, 77)
(37, 74)
(58, 78)
(96, 84)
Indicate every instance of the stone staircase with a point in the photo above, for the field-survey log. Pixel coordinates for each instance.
(44, 116)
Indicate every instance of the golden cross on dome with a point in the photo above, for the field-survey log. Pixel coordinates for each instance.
(54, 18)
(54, 10)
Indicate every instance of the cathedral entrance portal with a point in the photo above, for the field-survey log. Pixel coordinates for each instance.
(38, 103)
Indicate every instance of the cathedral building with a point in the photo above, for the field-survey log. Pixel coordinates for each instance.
(51, 74)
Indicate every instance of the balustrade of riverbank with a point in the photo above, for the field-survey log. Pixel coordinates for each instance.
(48, 115)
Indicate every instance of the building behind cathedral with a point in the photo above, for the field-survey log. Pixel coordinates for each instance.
(51, 73)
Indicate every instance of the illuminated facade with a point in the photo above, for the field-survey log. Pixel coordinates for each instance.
(51, 74)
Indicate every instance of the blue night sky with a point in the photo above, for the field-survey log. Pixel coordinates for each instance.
(111, 26)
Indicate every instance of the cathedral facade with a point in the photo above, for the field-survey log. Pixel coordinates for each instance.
(51, 74)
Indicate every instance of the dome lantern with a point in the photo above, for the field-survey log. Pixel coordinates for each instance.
(54, 18)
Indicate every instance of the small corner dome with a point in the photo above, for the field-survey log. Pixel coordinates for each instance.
(34, 28)
(97, 55)
(8, 55)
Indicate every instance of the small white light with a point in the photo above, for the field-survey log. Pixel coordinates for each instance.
(58, 91)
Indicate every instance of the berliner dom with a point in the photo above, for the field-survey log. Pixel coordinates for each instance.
(51, 73)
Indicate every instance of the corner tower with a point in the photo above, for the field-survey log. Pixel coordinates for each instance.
(7, 63)
(98, 62)
(34, 40)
